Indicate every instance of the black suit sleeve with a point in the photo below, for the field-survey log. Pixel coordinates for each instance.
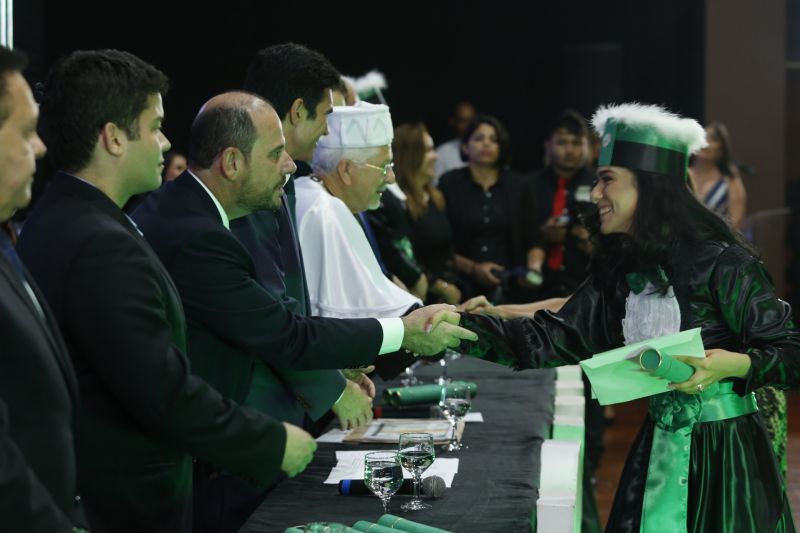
(115, 287)
(25, 503)
(219, 292)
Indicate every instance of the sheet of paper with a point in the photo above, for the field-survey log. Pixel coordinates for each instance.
(473, 417)
(617, 377)
(350, 465)
(334, 436)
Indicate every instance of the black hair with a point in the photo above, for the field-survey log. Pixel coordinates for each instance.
(569, 120)
(503, 139)
(667, 214)
(10, 61)
(88, 89)
(218, 128)
(284, 72)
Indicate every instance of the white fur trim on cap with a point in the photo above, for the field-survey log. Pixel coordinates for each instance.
(682, 130)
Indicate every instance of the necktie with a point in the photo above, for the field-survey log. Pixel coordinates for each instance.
(11, 255)
(373, 242)
(555, 257)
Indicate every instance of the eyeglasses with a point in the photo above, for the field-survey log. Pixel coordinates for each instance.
(384, 169)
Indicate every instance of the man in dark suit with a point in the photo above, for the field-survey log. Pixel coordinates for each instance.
(238, 165)
(38, 391)
(143, 413)
(302, 79)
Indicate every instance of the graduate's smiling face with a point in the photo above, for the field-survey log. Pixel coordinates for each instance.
(616, 195)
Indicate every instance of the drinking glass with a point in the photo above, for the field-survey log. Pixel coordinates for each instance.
(455, 403)
(383, 475)
(416, 455)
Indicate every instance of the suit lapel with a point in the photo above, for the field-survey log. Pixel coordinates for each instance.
(47, 323)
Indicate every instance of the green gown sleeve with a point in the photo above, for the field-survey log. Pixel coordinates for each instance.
(587, 324)
(763, 323)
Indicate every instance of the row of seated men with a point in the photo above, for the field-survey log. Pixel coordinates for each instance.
(159, 370)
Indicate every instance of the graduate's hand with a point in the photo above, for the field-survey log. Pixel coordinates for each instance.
(429, 330)
(475, 305)
(299, 450)
(359, 377)
(715, 366)
(354, 408)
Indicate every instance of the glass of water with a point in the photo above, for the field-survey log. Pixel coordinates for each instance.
(383, 475)
(416, 455)
(455, 404)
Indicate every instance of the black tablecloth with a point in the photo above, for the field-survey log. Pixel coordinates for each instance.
(496, 486)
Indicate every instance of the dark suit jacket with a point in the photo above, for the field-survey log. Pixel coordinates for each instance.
(271, 240)
(38, 402)
(142, 412)
(232, 319)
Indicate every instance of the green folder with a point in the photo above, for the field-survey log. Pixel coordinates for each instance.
(404, 525)
(616, 376)
(419, 394)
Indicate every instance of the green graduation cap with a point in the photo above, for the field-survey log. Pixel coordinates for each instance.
(647, 138)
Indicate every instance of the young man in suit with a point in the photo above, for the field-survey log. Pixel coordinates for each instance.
(293, 76)
(143, 413)
(237, 165)
(38, 391)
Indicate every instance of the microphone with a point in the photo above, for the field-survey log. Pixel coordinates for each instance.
(431, 486)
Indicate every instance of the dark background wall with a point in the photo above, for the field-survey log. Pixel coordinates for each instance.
(520, 61)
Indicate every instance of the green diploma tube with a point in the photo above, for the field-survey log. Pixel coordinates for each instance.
(419, 394)
(664, 366)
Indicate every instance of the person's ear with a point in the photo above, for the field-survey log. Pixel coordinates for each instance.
(297, 111)
(113, 139)
(345, 170)
(231, 163)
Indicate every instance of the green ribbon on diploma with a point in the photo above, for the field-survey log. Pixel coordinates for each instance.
(666, 495)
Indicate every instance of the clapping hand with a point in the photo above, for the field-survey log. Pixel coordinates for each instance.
(360, 378)
(354, 408)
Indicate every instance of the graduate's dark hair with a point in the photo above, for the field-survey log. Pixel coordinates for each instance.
(667, 214)
(88, 89)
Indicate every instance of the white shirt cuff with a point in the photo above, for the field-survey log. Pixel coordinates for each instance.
(393, 332)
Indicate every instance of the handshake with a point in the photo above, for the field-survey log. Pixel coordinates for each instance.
(426, 331)
(432, 329)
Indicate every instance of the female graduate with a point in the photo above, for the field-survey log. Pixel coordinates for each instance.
(664, 263)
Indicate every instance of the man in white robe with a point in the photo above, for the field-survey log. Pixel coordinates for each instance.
(352, 167)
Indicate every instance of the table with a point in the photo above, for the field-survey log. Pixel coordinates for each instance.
(496, 487)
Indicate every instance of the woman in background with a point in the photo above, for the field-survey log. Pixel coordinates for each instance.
(429, 229)
(491, 212)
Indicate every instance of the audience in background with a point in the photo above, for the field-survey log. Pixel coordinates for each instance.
(449, 153)
(425, 220)
(490, 210)
(174, 165)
